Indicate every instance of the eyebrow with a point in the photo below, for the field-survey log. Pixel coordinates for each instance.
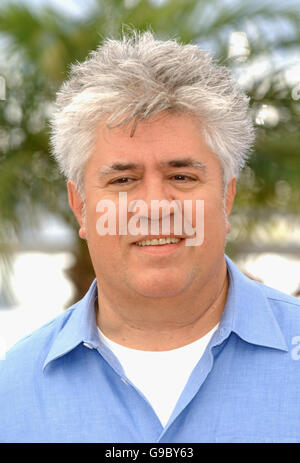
(181, 162)
(118, 167)
(184, 162)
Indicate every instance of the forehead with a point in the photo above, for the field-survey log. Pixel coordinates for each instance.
(154, 141)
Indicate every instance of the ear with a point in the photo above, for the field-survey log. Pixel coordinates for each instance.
(230, 195)
(76, 204)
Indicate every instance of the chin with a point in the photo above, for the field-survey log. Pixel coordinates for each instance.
(158, 294)
(159, 289)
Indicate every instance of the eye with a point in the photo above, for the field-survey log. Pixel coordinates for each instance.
(183, 178)
(121, 181)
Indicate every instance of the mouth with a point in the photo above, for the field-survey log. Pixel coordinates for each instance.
(161, 246)
(158, 241)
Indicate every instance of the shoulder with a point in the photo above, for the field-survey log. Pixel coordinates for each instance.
(31, 351)
(285, 308)
(277, 297)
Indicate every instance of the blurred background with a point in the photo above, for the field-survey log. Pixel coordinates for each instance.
(44, 266)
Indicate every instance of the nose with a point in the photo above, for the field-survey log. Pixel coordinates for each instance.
(155, 188)
(159, 203)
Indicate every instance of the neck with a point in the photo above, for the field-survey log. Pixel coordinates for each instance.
(161, 324)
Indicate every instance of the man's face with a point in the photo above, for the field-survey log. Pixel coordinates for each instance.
(165, 159)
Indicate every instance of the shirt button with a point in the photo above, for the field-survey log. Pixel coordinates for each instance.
(88, 345)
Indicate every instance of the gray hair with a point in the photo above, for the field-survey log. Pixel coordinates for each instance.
(138, 77)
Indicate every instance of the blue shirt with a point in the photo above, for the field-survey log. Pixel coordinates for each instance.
(60, 384)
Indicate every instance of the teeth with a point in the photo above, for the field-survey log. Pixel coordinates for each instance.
(158, 242)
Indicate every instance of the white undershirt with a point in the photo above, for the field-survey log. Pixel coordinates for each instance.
(160, 376)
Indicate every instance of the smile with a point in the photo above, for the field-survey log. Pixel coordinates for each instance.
(158, 242)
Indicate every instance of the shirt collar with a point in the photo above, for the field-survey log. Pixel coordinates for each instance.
(247, 313)
(79, 326)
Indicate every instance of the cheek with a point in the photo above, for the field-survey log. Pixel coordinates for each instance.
(105, 253)
(105, 245)
(214, 220)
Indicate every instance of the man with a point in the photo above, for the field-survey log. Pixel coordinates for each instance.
(172, 343)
